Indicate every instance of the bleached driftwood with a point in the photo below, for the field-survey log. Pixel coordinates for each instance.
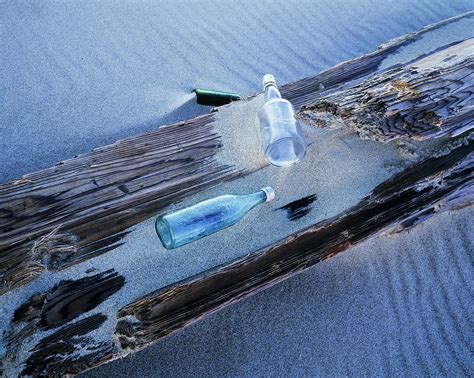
(430, 98)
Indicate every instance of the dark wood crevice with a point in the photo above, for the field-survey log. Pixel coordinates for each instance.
(65, 301)
(299, 208)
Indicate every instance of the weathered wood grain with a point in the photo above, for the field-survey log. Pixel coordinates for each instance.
(64, 302)
(434, 185)
(69, 350)
(306, 91)
(81, 208)
(431, 98)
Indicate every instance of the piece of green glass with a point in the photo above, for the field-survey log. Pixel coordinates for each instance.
(215, 98)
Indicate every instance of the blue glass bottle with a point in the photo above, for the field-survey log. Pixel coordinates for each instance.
(207, 217)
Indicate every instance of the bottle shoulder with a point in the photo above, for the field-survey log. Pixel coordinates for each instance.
(222, 199)
(278, 100)
(277, 107)
(278, 103)
(231, 202)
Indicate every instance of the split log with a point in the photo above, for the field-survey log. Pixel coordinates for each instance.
(62, 216)
(434, 185)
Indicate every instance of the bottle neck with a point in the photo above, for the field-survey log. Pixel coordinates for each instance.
(256, 198)
(271, 92)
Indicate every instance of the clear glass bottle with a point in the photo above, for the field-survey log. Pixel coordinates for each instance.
(207, 217)
(282, 139)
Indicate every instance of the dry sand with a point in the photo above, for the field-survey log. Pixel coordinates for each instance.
(78, 75)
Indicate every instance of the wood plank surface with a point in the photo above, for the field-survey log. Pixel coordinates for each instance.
(436, 184)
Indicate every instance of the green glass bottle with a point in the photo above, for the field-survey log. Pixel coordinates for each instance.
(215, 98)
(207, 217)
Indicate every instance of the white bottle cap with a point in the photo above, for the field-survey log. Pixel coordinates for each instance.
(268, 79)
(269, 192)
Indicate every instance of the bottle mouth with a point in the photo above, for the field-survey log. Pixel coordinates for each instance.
(285, 152)
(268, 79)
(270, 193)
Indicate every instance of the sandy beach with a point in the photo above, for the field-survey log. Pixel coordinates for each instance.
(76, 76)
(390, 306)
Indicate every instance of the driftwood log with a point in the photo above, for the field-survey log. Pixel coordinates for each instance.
(48, 218)
(83, 207)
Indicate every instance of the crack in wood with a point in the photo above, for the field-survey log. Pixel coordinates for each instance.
(430, 98)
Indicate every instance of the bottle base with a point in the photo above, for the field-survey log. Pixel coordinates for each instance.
(285, 152)
(164, 233)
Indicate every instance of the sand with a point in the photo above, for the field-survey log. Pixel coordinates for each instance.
(79, 75)
(398, 305)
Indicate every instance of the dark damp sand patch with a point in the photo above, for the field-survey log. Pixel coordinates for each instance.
(299, 208)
